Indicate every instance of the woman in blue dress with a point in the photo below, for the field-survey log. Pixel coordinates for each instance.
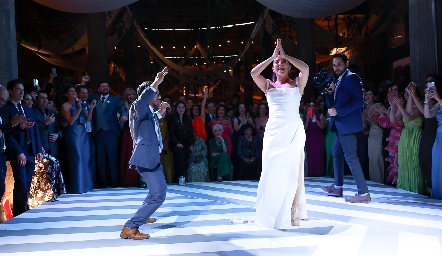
(77, 142)
(434, 108)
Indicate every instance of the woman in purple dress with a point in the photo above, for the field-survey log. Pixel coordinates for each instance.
(315, 141)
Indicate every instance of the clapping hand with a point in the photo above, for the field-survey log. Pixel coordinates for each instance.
(398, 101)
(50, 119)
(15, 120)
(25, 124)
(93, 104)
(381, 109)
(79, 104)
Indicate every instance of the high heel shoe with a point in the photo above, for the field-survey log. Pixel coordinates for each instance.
(296, 216)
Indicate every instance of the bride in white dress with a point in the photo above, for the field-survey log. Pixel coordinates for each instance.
(280, 199)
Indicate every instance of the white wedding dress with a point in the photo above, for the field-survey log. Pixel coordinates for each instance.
(282, 160)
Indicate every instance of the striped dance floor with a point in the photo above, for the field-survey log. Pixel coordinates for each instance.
(195, 220)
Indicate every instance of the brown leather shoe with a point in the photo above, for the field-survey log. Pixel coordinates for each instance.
(151, 220)
(359, 199)
(128, 233)
(333, 191)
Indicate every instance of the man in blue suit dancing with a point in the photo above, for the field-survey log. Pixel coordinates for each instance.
(146, 135)
(346, 102)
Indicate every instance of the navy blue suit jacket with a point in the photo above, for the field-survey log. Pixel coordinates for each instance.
(146, 148)
(113, 106)
(46, 130)
(349, 103)
(16, 142)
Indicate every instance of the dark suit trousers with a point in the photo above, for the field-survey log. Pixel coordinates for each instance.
(22, 183)
(345, 147)
(156, 183)
(180, 159)
(2, 174)
(106, 147)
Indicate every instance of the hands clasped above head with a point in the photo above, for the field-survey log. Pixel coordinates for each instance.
(278, 50)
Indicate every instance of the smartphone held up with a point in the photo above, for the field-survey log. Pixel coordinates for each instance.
(430, 86)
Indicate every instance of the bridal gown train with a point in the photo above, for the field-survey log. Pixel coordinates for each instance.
(282, 161)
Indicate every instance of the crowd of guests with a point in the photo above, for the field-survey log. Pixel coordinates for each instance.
(213, 141)
(401, 141)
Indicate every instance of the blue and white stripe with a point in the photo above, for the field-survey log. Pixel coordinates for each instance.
(195, 220)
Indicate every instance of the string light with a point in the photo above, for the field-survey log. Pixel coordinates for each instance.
(193, 57)
(203, 28)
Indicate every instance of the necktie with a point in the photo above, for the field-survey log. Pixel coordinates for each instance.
(158, 132)
(28, 134)
(102, 99)
(20, 109)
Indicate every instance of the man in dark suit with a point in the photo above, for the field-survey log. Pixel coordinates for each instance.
(47, 124)
(146, 136)
(107, 130)
(23, 146)
(346, 120)
(5, 127)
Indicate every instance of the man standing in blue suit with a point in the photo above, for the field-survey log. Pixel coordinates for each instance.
(107, 130)
(346, 120)
(146, 135)
(23, 146)
(47, 123)
(5, 127)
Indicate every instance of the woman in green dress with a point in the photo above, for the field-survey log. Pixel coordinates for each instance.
(409, 173)
(218, 154)
(198, 167)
